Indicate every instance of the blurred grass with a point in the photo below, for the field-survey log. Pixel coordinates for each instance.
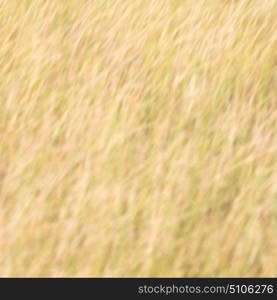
(138, 138)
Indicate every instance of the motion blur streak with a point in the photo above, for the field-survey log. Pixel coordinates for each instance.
(138, 138)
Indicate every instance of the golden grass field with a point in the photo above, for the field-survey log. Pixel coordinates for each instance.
(138, 138)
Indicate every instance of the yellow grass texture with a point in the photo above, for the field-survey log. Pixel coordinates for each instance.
(138, 138)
